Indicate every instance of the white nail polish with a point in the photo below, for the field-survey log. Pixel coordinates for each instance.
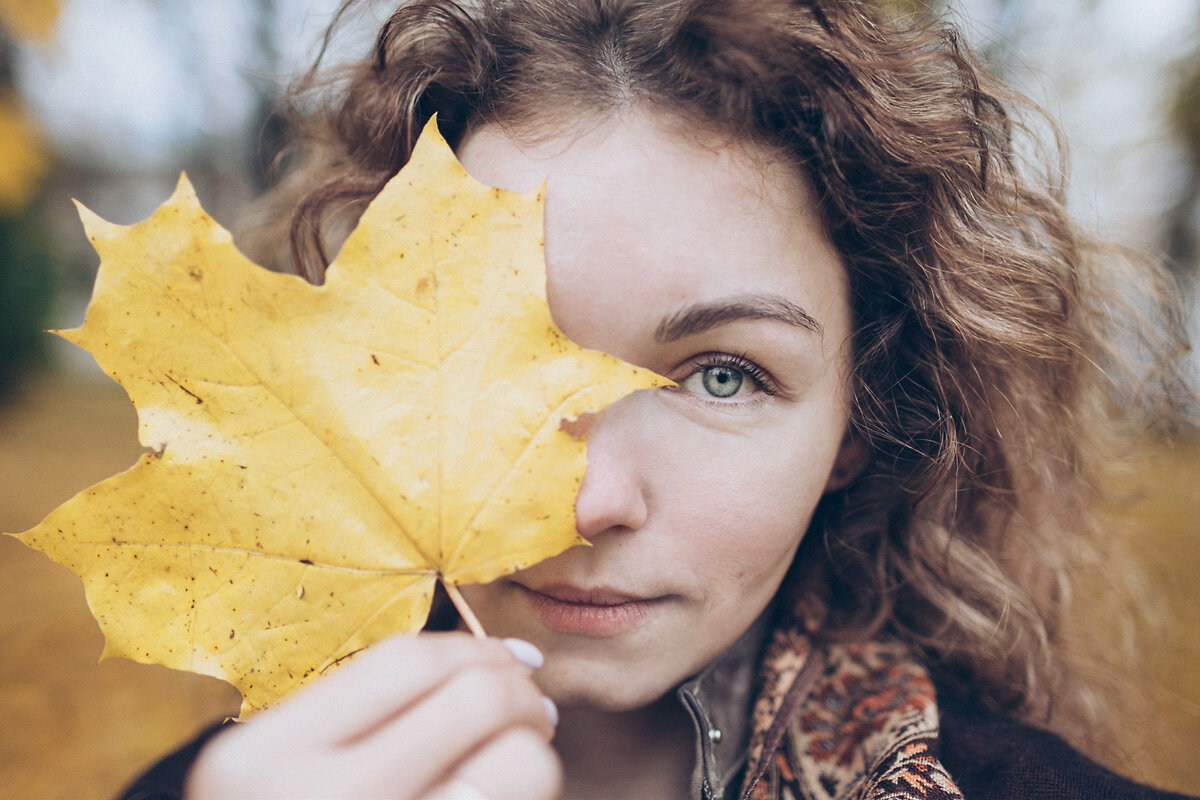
(525, 652)
(551, 710)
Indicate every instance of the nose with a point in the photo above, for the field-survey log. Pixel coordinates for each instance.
(611, 497)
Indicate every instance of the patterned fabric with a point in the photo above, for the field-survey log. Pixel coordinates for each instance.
(843, 722)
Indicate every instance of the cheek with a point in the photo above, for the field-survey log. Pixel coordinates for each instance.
(746, 532)
(744, 496)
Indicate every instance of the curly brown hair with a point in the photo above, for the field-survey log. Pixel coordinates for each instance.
(998, 348)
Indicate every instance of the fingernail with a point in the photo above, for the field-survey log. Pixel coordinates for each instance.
(525, 652)
(551, 710)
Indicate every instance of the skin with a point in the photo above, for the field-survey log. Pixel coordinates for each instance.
(694, 502)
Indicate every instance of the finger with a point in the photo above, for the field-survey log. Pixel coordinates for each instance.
(455, 789)
(446, 726)
(516, 765)
(380, 683)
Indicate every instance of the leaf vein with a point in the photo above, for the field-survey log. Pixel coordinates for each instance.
(512, 464)
(336, 652)
(375, 495)
(261, 554)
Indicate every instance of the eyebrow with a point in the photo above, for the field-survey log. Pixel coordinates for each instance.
(701, 317)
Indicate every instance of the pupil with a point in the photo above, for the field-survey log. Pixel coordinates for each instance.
(722, 381)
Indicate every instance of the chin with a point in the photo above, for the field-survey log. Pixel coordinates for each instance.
(611, 687)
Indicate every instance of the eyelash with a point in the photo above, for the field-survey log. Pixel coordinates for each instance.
(739, 362)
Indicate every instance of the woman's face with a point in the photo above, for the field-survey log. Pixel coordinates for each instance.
(704, 261)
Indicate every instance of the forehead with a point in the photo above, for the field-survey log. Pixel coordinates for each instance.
(641, 216)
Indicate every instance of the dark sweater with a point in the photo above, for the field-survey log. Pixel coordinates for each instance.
(993, 757)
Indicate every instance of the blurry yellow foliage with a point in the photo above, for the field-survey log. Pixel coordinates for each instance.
(23, 159)
(29, 19)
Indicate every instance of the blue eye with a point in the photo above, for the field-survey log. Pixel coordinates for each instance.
(725, 377)
(721, 381)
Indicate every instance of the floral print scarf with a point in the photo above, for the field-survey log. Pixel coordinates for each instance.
(843, 722)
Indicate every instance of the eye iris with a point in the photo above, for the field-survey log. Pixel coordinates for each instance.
(722, 381)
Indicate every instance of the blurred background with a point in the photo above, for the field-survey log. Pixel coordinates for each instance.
(106, 101)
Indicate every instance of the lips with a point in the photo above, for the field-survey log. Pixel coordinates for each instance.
(590, 611)
(591, 597)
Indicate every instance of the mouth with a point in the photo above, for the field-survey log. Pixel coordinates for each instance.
(589, 611)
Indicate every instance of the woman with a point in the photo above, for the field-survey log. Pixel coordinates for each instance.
(831, 561)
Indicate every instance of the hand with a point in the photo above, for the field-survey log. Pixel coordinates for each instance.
(430, 716)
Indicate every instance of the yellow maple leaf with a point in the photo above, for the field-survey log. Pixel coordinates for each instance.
(322, 455)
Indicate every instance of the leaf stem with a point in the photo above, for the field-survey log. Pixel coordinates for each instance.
(464, 610)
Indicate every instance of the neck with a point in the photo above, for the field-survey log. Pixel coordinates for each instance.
(647, 752)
